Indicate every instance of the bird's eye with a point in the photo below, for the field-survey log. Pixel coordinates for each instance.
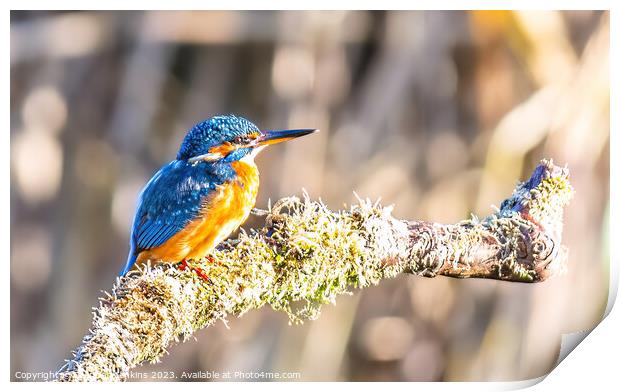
(241, 139)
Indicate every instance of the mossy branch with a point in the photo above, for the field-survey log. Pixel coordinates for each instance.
(306, 255)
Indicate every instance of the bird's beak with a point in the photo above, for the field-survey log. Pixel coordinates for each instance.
(273, 137)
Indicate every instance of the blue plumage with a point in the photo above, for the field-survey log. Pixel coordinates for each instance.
(172, 199)
(176, 194)
(213, 132)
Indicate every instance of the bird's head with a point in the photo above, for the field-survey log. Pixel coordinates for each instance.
(230, 138)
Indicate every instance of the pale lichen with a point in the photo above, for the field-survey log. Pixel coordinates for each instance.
(305, 256)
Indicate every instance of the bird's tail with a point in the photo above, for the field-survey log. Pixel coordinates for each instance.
(131, 260)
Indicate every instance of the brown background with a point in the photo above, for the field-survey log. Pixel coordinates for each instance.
(439, 113)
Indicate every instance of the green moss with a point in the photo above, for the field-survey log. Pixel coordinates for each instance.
(307, 255)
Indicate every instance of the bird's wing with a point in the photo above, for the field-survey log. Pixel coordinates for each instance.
(168, 202)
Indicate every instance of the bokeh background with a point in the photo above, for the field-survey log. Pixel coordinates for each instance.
(439, 113)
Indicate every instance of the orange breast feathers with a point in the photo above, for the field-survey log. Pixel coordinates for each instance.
(222, 213)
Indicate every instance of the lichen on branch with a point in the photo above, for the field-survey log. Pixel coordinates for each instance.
(305, 256)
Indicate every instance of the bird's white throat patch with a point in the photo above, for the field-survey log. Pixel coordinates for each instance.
(249, 159)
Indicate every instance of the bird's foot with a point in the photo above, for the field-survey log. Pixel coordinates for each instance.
(183, 265)
(201, 274)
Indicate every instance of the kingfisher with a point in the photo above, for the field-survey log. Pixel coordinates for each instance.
(196, 201)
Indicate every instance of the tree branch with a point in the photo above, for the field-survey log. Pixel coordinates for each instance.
(306, 255)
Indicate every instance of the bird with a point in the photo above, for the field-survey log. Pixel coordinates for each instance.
(197, 200)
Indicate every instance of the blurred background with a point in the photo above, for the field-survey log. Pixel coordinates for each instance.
(439, 113)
